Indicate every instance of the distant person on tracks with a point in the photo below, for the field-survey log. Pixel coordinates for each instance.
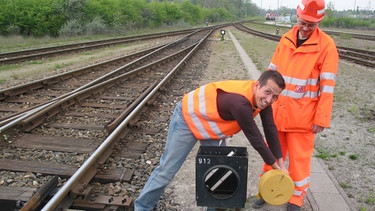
(210, 114)
(308, 60)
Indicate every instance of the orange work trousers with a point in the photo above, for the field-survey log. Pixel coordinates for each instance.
(298, 148)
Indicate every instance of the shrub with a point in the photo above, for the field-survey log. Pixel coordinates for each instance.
(13, 30)
(96, 26)
(71, 28)
(346, 22)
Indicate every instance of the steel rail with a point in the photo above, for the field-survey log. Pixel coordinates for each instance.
(22, 88)
(354, 55)
(38, 83)
(6, 124)
(77, 96)
(10, 120)
(11, 57)
(40, 195)
(368, 55)
(353, 35)
(358, 61)
(330, 32)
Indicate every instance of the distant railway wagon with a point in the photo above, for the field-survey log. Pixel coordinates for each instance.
(270, 16)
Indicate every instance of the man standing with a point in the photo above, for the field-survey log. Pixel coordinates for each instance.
(308, 60)
(210, 114)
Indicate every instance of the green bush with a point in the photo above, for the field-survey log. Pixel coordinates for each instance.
(346, 22)
(71, 28)
(96, 26)
(13, 30)
(86, 17)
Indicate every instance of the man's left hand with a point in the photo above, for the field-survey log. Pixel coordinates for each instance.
(317, 129)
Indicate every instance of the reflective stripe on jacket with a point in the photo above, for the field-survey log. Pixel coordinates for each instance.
(199, 108)
(310, 73)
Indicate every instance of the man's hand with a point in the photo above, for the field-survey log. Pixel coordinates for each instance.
(317, 129)
(282, 165)
(279, 164)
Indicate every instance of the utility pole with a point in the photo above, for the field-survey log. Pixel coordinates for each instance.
(278, 5)
(369, 4)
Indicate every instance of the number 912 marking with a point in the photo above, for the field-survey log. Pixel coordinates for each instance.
(204, 161)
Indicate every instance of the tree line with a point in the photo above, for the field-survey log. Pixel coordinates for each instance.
(58, 18)
(81, 17)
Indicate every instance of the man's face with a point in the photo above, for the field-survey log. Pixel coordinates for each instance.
(306, 28)
(267, 94)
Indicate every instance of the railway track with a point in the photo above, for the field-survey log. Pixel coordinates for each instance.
(74, 134)
(331, 32)
(17, 100)
(48, 52)
(358, 56)
(25, 97)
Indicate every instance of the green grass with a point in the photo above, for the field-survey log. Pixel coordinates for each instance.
(345, 36)
(345, 185)
(324, 154)
(3, 81)
(370, 200)
(62, 65)
(353, 110)
(36, 62)
(8, 67)
(354, 156)
(15, 76)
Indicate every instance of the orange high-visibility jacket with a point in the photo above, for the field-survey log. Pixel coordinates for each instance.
(199, 108)
(310, 73)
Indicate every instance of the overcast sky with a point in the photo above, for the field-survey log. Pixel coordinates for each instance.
(339, 4)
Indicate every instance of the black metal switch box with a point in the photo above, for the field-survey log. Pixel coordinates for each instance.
(221, 176)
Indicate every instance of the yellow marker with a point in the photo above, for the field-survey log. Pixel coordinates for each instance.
(276, 187)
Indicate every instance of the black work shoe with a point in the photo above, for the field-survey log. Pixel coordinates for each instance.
(258, 203)
(293, 207)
